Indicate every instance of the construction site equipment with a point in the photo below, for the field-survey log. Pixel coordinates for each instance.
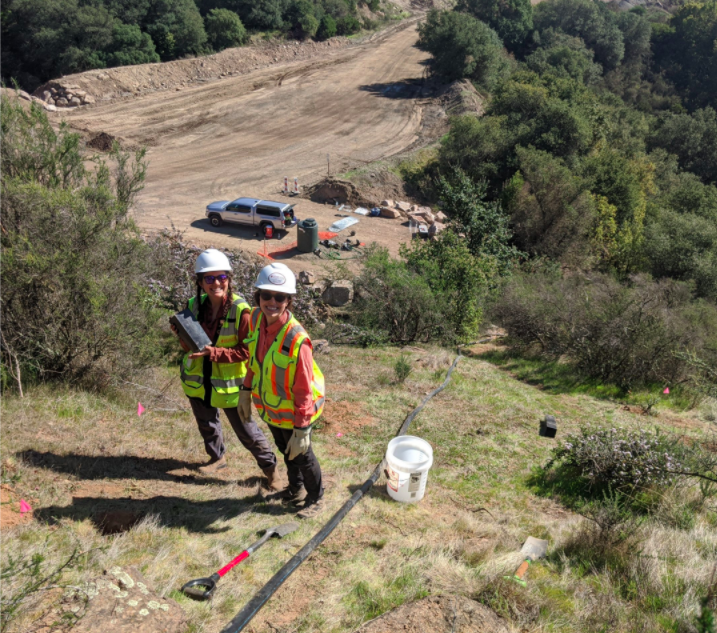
(548, 426)
(189, 330)
(408, 460)
(532, 550)
(257, 602)
(211, 260)
(307, 235)
(203, 588)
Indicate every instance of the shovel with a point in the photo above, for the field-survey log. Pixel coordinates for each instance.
(532, 550)
(203, 588)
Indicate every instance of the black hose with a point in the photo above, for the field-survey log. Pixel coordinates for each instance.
(257, 602)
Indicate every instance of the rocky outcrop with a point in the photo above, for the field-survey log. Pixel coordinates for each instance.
(58, 95)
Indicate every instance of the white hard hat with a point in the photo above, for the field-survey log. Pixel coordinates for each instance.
(211, 260)
(277, 277)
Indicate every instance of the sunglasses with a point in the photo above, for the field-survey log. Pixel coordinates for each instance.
(210, 279)
(278, 297)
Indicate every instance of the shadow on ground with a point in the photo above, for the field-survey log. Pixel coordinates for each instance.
(116, 467)
(113, 516)
(406, 89)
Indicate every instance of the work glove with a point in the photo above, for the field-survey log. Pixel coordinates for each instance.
(299, 442)
(245, 406)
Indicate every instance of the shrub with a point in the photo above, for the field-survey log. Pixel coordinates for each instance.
(626, 335)
(75, 302)
(619, 458)
(402, 368)
(224, 29)
(327, 28)
(347, 25)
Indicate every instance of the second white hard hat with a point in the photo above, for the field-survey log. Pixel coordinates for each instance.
(277, 277)
(212, 260)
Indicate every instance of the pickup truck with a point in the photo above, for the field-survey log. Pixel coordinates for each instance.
(253, 212)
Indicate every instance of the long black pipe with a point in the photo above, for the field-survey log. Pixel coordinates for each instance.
(259, 600)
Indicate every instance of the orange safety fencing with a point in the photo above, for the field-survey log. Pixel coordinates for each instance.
(287, 251)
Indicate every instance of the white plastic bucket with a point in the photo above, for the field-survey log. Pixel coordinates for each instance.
(408, 460)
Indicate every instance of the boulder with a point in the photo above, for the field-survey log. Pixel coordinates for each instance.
(88, 99)
(321, 346)
(46, 96)
(75, 101)
(441, 217)
(61, 102)
(403, 206)
(339, 293)
(49, 107)
(386, 203)
(121, 601)
(386, 212)
(436, 228)
(307, 278)
(24, 95)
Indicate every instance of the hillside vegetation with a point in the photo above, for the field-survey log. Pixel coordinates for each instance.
(44, 39)
(581, 217)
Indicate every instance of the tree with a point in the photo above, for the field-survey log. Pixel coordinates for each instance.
(589, 20)
(567, 57)
(462, 47)
(483, 223)
(130, 46)
(176, 27)
(327, 28)
(693, 139)
(224, 29)
(512, 20)
(685, 51)
(347, 25)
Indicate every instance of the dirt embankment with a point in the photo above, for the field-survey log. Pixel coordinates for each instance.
(127, 81)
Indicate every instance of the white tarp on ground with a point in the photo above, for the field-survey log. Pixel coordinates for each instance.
(342, 224)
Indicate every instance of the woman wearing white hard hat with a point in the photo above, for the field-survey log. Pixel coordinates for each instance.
(285, 384)
(212, 378)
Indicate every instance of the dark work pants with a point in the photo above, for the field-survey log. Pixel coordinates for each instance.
(303, 470)
(250, 435)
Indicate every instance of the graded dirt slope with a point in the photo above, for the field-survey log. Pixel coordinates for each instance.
(240, 135)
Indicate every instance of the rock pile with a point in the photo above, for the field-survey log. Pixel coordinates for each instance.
(432, 223)
(60, 96)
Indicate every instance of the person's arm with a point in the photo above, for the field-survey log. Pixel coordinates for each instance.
(240, 352)
(303, 396)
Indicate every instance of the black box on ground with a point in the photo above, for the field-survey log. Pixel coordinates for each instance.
(548, 426)
(190, 331)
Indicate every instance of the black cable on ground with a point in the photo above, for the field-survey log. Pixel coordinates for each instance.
(259, 600)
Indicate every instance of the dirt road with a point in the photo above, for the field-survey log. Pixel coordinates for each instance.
(240, 136)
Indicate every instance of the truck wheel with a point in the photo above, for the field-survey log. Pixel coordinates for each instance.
(215, 220)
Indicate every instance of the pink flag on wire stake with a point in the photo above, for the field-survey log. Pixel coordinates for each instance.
(24, 506)
(339, 435)
(666, 391)
(140, 408)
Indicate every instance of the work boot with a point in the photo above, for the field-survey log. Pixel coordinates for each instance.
(312, 508)
(273, 479)
(292, 495)
(213, 465)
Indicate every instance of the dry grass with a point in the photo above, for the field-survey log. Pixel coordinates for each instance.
(76, 455)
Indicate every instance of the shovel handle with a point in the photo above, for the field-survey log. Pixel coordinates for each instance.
(520, 572)
(234, 563)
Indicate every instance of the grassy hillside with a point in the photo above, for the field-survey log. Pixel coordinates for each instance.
(73, 456)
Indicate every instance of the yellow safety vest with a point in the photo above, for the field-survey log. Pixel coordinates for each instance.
(226, 378)
(274, 377)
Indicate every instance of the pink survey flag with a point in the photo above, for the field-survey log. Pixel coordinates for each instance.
(140, 408)
(24, 506)
(667, 390)
(339, 435)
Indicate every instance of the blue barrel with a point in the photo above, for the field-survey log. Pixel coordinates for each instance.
(307, 234)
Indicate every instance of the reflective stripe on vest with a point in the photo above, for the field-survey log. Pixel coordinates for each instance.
(274, 376)
(226, 377)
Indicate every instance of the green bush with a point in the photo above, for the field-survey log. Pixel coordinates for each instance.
(224, 29)
(75, 299)
(327, 28)
(462, 47)
(347, 25)
(627, 335)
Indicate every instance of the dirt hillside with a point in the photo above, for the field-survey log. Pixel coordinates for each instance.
(228, 135)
